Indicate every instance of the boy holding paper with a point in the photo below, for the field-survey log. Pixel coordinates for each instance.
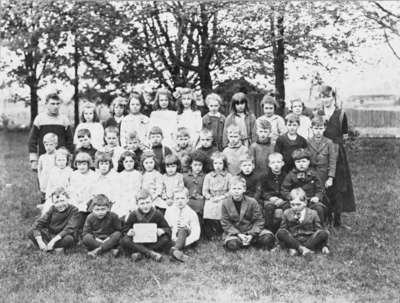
(137, 241)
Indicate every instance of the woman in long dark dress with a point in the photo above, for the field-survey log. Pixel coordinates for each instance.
(342, 197)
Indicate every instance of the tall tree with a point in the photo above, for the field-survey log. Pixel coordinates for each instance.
(29, 30)
(89, 30)
(286, 30)
(182, 42)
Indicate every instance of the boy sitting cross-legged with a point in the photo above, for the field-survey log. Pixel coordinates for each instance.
(56, 228)
(184, 224)
(146, 213)
(306, 178)
(242, 220)
(301, 230)
(102, 229)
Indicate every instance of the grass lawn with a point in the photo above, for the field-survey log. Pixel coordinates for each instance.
(364, 265)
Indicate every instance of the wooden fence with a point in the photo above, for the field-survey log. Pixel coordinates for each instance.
(373, 117)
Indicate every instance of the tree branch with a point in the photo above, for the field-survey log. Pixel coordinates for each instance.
(390, 45)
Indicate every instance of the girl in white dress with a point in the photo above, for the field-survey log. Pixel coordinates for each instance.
(164, 116)
(129, 181)
(188, 115)
(135, 121)
(90, 121)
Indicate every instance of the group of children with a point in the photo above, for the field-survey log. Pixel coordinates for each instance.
(248, 181)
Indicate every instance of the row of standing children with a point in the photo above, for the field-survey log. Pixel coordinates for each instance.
(236, 132)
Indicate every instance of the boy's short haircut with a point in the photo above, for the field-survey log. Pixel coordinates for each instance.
(50, 137)
(233, 129)
(246, 158)
(301, 153)
(132, 135)
(219, 155)
(205, 132)
(198, 156)
(215, 97)
(156, 130)
(100, 200)
(181, 189)
(111, 129)
(53, 96)
(182, 132)
(83, 132)
(292, 118)
(297, 193)
(318, 121)
(267, 99)
(263, 124)
(101, 156)
(275, 155)
(237, 180)
(60, 191)
(297, 100)
(143, 194)
(62, 151)
(83, 157)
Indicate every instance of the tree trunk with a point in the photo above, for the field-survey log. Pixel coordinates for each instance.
(34, 101)
(279, 67)
(32, 82)
(205, 80)
(76, 86)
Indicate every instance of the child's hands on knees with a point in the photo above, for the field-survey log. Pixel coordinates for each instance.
(50, 245)
(329, 182)
(131, 233)
(41, 244)
(160, 232)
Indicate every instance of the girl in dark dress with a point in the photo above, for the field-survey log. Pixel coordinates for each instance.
(342, 195)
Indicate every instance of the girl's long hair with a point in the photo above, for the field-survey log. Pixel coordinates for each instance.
(237, 98)
(164, 92)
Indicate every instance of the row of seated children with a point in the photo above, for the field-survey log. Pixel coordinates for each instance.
(241, 221)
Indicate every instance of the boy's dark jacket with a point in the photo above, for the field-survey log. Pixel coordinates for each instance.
(253, 184)
(102, 228)
(271, 185)
(307, 227)
(249, 221)
(58, 223)
(308, 181)
(153, 216)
